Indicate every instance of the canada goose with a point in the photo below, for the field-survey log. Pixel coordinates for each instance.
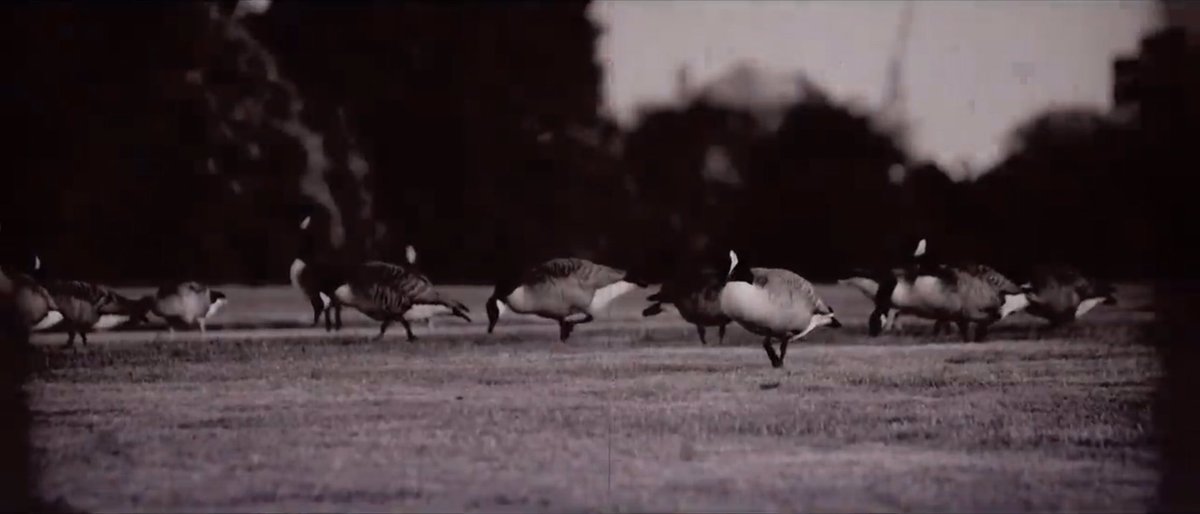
(37, 310)
(387, 292)
(774, 303)
(184, 304)
(316, 279)
(698, 300)
(87, 307)
(568, 290)
(1061, 294)
(963, 292)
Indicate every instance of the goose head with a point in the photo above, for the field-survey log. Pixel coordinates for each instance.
(504, 287)
(738, 271)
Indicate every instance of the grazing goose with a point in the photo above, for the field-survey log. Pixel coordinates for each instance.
(965, 292)
(87, 307)
(184, 304)
(774, 303)
(698, 300)
(568, 290)
(387, 292)
(1061, 294)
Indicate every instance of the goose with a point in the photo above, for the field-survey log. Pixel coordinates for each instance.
(939, 292)
(316, 280)
(698, 300)
(1061, 294)
(35, 307)
(388, 292)
(932, 290)
(87, 307)
(568, 290)
(774, 303)
(184, 304)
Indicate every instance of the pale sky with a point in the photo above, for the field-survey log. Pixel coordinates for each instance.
(973, 69)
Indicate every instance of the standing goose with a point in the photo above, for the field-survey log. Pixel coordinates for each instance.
(316, 279)
(34, 305)
(568, 290)
(387, 292)
(87, 307)
(774, 303)
(184, 304)
(698, 300)
(1061, 294)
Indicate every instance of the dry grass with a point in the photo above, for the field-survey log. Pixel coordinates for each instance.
(627, 417)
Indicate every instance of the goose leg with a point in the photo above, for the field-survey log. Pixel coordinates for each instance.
(383, 329)
(721, 334)
(338, 314)
(964, 329)
(775, 360)
(981, 330)
(70, 338)
(564, 330)
(700, 330)
(783, 344)
(317, 308)
(83, 337)
(408, 330)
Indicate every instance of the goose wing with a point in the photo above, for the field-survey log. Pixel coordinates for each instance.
(993, 278)
(786, 288)
(587, 273)
(79, 289)
(390, 287)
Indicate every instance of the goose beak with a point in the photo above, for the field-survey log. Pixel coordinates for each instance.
(834, 323)
(1110, 300)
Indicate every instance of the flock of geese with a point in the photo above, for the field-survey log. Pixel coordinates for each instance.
(774, 303)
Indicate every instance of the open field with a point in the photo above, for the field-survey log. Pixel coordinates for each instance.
(630, 415)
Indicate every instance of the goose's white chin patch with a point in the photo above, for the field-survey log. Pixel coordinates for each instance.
(605, 295)
(501, 307)
(1087, 305)
(325, 300)
(420, 312)
(49, 320)
(214, 307)
(304, 224)
(108, 321)
(1013, 303)
(295, 271)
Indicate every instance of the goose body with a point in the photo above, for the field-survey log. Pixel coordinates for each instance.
(1061, 294)
(35, 306)
(186, 303)
(774, 303)
(87, 307)
(964, 294)
(698, 303)
(388, 292)
(568, 290)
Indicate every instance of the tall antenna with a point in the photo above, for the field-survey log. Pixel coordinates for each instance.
(892, 104)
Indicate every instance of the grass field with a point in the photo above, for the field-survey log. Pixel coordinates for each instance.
(266, 414)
